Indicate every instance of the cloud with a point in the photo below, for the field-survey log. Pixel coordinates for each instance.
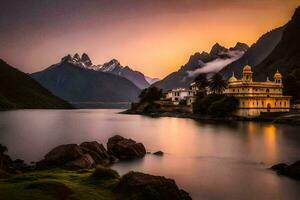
(217, 64)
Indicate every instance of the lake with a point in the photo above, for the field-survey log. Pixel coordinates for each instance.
(210, 161)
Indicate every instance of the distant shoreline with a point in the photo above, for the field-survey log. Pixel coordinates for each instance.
(290, 118)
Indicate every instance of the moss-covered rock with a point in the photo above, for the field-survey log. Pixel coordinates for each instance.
(58, 190)
(105, 173)
(140, 186)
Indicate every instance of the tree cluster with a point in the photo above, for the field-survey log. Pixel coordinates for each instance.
(150, 94)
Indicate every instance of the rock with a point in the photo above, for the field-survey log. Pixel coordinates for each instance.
(98, 152)
(158, 153)
(279, 167)
(55, 189)
(292, 171)
(60, 155)
(125, 149)
(84, 162)
(140, 186)
(105, 173)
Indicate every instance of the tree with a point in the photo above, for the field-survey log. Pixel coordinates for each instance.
(201, 81)
(150, 94)
(223, 107)
(217, 84)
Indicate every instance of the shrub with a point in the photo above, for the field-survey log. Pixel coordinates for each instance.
(202, 103)
(103, 172)
(223, 107)
(150, 94)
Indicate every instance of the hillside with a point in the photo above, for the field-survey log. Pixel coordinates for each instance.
(20, 91)
(286, 55)
(255, 54)
(204, 62)
(85, 86)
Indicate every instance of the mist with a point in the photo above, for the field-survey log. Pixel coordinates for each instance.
(217, 64)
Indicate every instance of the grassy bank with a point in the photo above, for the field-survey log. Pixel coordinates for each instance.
(58, 184)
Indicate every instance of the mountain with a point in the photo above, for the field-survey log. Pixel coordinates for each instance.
(286, 55)
(255, 54)
(204, 62)
(20, 91)
(85, 87)
(151, 80)
(112, 67)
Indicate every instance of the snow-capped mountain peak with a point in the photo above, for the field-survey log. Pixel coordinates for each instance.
(112, 67)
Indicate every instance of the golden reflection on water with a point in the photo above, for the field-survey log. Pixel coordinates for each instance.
(270, 141)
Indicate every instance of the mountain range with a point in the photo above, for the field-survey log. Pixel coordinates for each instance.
(204, 62)
(19, 91)
(75, 82)
(114, 67)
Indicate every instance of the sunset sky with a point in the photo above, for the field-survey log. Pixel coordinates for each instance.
(155, 37)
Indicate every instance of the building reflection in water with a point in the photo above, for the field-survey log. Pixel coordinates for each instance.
(270, 134)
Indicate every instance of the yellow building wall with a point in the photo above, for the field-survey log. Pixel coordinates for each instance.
(264, 103)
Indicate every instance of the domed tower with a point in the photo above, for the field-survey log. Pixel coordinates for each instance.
(247, 74)
(278, 77)
(232, 78)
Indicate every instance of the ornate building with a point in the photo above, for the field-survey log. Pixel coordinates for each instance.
(256, 97)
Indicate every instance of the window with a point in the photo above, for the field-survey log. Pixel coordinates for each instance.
(233, 90)
(267, 90)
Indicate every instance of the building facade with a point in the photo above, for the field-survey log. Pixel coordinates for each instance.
(181, 94)
(256, 97)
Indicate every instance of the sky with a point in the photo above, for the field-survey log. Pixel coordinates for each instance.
(155, 37)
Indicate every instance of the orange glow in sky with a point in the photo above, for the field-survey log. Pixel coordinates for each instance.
(156, 38)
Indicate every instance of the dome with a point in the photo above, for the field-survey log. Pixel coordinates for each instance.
(277, 74)
(247, 68)
(232, 78)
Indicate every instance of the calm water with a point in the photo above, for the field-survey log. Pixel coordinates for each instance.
(210, 161)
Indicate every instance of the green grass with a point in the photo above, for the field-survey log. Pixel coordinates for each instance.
(52, 184)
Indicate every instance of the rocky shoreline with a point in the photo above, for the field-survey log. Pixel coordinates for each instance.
(90, 159)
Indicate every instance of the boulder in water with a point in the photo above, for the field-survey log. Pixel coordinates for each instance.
(125, 149)
(158, 153)
(292, 171)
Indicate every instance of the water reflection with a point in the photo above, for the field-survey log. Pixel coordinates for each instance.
(211, 161)
(270, 137)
